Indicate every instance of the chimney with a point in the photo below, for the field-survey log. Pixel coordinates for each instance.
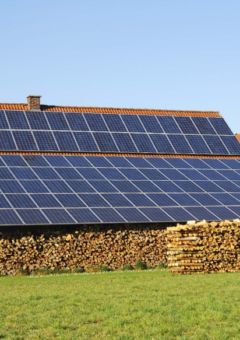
(34, 103)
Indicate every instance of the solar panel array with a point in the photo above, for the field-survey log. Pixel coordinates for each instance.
(97, 189)
(93, 132)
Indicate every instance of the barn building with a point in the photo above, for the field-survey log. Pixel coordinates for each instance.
(99, 169)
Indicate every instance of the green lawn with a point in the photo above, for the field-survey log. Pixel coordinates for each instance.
(138, 305)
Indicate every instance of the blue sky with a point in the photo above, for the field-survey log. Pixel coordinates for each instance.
(171, 54)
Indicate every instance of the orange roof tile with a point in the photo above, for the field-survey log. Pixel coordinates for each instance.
(238, 136)
(24, 107)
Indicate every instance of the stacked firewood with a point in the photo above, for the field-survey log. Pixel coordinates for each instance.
(82, 247)
(204, 247)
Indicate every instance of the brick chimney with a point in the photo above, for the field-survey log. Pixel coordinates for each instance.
(34, 103)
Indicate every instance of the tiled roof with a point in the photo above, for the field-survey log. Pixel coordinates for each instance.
(238, 136)
(24, 107)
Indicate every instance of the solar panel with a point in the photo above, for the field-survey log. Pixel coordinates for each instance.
(140, 200)
(95, 122)
(11, 186)
(46, 173)
(85, 141)
(67, 173)
(59, 216)
(6, 141)
(143, 142)
(84, 216)
(124, 142)
(215, 145)
(57, 120)
(201, 213)
(76, 121)
(220, 126)
(21, 201)
(151, 124)
(133, 123)
(17, 120)
(114, 123)
(58, 161)
(184, 200)
(179, 214)
(108, 215)
(132, 215)
(197, 144)
(162, 200)
(110, 173)
(223, 213)
(94, 200)
(32, 216)
(3, 121)
(168, 123)
(226, 199)
(45, 201)
(3, 202)
(25, 140)
(65, 141)
(23, 173)
(155, 214)
(232, 144)
(70, 200)
(37, 120)
(105, 141)
(162, 143)
(180, 144)
(117, 200)
(186, 125)
(45, 140)
(13, 160)
(203, 125)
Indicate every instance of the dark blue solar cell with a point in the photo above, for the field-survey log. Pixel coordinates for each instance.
(9, 217)
(105, 141)
(95, 122)
(25, 140)
(66, 141)
(35, 160)
(143, 142)
(94, 200)
(146, 186)
(216, 145)
(80, 186)
(132, 174)
(110, 173)
(133, 123)
(231, 163)
(117, 200)
(156, 215)
(76, 121)
(228, 186)
(3, 121)
(57, 120)
(173, 174)
(223, 213)
(120, 162)
(32, 216)
(21, 201)
(34, 186)
(212, 174)
(186, 125)
(124, 142)
(6, 141)
(140, 200)
(203, 125)
(37, 120)
(168, 123)
(236, 210)
(162, 144)
(13, 160)
(78, 161)
(193, 174)
(132, 215)
(57, 161)
(59, 216)
(198, 144)
(205, 199)
(103, 186)
(180, 144)
(139, 162)
(215, 163)
(90, 173)
(99, 161)
(153, 174)
(114, 122)
(5, 174)
(46, 173)
(188, 186)
(151, 124)
(201, 213)
(17, 120)
(196, 163)
(84, 216)
(85, 141)
(226, 199)
(232, 144)
(23, 173)
(162, 200)
(57, 186)
(184, 199)
(159, 163)
(209, 186)
(230, 174)
(68, 173)
(70, 200)
(220, 126)
(167, 186)
(125, 186)
(179, 214)
(45, 201)
(45, 140)
(11, 186)
(108, 215)
(3, 202)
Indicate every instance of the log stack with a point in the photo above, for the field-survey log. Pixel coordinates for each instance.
(202, 247)
(82, 247)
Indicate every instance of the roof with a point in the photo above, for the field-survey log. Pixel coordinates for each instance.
(238, 136)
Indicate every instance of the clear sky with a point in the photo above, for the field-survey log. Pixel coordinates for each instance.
(161, 54)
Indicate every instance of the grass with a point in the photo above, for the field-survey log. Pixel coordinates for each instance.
(131, 305)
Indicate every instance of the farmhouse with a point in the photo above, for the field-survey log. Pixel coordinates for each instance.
(83, 186)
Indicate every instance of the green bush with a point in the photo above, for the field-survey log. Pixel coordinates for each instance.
(77, 270)
(162, 266)
(127, 267)
(102, 268)
(42, 271)
(22, 272)
(140, 266)
(60, 271)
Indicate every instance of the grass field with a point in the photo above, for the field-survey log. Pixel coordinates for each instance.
(137, 305)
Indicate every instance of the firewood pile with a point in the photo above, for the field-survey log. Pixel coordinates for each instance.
(82, 247)
(204, 247)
